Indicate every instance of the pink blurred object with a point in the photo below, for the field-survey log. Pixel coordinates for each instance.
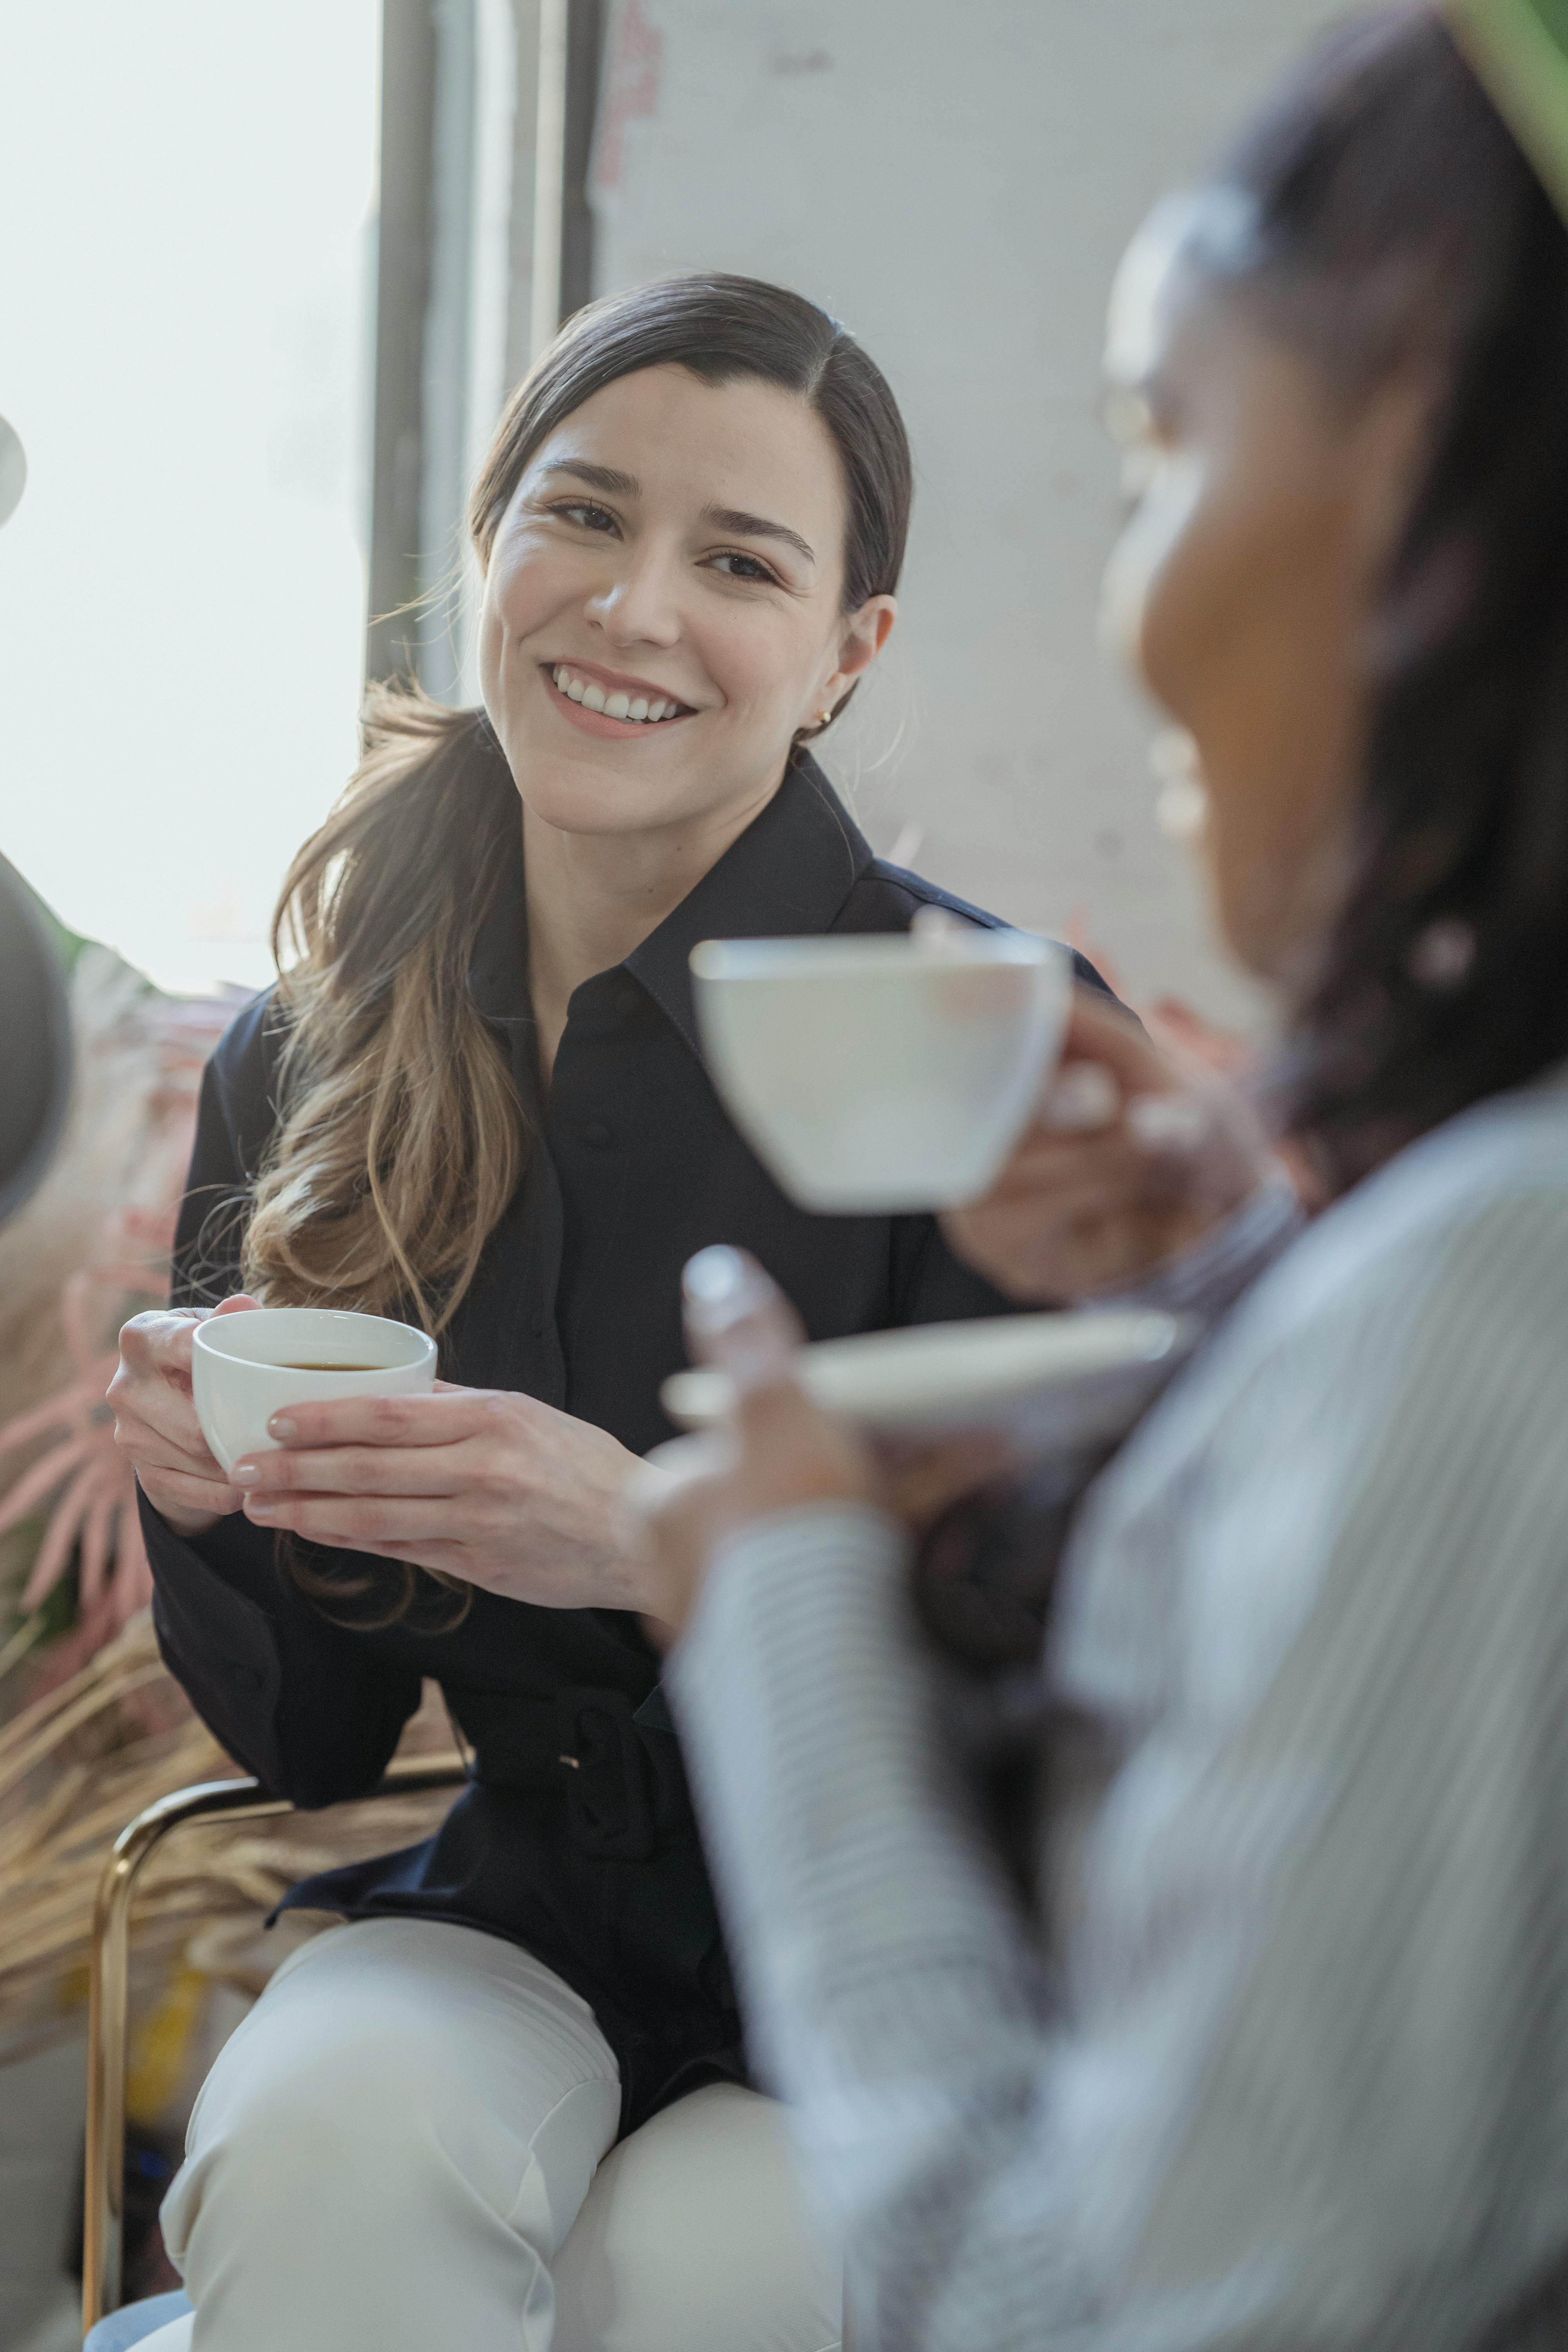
(89, 1488)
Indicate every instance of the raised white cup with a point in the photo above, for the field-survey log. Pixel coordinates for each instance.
(882, 1073)
(245, 1367)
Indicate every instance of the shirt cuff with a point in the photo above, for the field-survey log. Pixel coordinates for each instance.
(1206, 1280)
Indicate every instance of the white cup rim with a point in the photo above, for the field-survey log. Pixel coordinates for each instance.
(210, 1334)
(856, 954)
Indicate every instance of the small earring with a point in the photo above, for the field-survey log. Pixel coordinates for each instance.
(825, 718)
(1442, 955)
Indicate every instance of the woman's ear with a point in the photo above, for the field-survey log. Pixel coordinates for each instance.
(861, 639)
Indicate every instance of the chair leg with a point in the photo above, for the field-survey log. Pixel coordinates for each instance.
(238, 1799)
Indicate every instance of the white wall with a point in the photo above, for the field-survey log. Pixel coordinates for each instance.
(956, 182)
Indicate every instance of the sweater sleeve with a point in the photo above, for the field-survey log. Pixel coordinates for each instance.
(306, 1706)
(1296, 2077)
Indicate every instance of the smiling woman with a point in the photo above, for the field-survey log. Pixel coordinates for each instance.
(476, 1100)
(677, 518)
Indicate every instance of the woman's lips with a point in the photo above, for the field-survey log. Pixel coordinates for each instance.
(601, 722)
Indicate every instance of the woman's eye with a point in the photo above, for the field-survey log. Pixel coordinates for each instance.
(743, 567)
(590, 517)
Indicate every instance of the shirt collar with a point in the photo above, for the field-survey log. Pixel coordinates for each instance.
(787, 874)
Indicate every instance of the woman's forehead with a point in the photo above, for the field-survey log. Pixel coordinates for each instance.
(672, 434)
(1186, 240)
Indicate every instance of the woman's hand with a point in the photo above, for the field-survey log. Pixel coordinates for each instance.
(482, 1484)
(1130, 1159)
(156, 1421)
(778, 1451)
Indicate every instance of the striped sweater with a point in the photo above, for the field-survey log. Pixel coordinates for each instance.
(1281, 2062)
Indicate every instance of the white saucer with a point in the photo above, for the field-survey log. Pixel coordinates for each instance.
(1045, 1380)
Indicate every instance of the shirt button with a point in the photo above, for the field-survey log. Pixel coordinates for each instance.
(598, 1135)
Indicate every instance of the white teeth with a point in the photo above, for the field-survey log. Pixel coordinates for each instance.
(618, 705)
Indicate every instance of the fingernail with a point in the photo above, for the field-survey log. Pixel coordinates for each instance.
(1166, 1122)
(715, 1276)
(1084, 1097)
(246, 1473)
(257, 1506)
(281, 1426)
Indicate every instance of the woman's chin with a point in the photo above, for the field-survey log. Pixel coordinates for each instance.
(583, 795)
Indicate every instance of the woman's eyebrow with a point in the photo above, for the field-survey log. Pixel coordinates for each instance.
(751, 526)
(598, 477)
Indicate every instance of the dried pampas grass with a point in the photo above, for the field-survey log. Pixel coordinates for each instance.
(83, 1760)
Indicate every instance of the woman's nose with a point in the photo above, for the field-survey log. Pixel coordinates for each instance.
(638, 603)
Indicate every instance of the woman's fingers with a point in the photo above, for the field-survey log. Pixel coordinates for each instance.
(158, 1344)
(154, 1450)
(737, 1318)
(151, 1413)
(363, 1522)
(1128, 1160)
(1045, 1165)
(1082, 1098)
(1103, 1032)
(177, 1491)
(384, 1469)
(152, 1387)
(443, 1418)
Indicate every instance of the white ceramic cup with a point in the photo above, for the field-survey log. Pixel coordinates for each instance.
(882, 1073)
(246, 1367)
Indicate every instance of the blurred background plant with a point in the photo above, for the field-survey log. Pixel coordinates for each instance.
(91, 1249)
(92, 1726)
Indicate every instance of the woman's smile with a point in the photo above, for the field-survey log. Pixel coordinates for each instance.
(691, 538)
(608, 702)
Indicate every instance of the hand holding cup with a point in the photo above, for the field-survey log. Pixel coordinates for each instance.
(1129, 1158)
(155, 1422)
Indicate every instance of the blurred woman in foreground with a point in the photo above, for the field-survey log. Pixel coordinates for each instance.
(1283, 2059)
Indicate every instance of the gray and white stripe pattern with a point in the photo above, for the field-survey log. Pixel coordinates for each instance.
(1283, 2060)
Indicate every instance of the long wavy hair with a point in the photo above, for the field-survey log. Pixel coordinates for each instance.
(400, 1139)
(1395, 219)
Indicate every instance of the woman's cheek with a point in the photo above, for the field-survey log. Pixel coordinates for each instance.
(758, 667)
(491, 650)
(1140, 593)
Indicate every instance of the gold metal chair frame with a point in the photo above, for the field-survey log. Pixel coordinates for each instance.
(233, 1800)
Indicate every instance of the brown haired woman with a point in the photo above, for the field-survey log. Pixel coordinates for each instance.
(1286, 2062)
(476, 1096)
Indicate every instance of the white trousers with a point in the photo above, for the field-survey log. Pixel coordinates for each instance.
(409, 2143)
